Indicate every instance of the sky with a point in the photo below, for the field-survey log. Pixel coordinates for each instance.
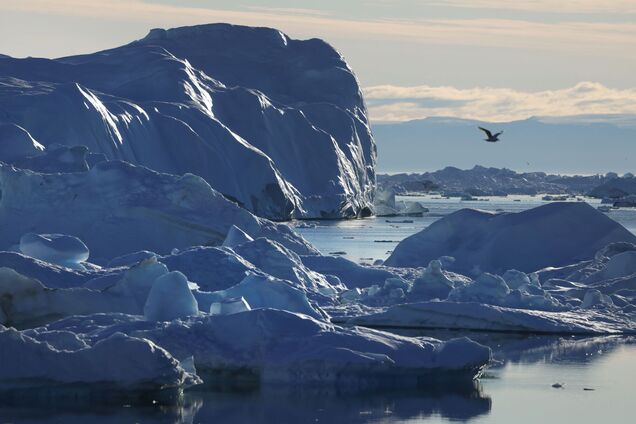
(494, 60)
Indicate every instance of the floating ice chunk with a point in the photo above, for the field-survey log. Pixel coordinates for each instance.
(396, 293)
(231, 305)
(136, 283)
(350, 296)
(433, 283)
(414, 209)
(595, 299)
(58, 249)
(516, 279)
(261, 291)
(170, 298)
(620, 265)
(487, 288)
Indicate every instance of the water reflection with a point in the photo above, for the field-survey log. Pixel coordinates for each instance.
(528, 349)
(271, 405)
(281, 406)
(522, 373)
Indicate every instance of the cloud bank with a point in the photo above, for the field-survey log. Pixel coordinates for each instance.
(617, 37)
(389, 103)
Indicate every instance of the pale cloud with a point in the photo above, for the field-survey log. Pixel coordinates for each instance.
(558, 6)
(605, 38)
(388, 103)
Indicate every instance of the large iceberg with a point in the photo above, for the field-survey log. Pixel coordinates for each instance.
(555, 234)
(276, 124)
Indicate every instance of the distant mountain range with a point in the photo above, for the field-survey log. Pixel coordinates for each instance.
(481, 181)
(587, 144)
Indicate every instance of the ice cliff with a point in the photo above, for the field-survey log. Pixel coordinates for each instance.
(276, 124)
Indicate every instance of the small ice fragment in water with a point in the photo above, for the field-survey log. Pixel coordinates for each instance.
(558, 385)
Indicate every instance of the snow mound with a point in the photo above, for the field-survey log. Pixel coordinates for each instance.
(59, 249)
(277, 124)
(170, 298)
(555, 234)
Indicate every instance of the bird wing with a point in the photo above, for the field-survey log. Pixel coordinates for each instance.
(488, 133)
(499, 133)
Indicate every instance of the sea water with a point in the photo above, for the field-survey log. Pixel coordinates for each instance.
(369, 239)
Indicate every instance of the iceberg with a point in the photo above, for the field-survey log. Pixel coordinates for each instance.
(270, 346)
(276, 124)
(117, 362)
(555, 234)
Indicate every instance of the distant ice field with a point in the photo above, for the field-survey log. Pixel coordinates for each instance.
(365, 240)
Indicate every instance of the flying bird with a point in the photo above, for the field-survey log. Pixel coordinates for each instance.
(491, 138)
